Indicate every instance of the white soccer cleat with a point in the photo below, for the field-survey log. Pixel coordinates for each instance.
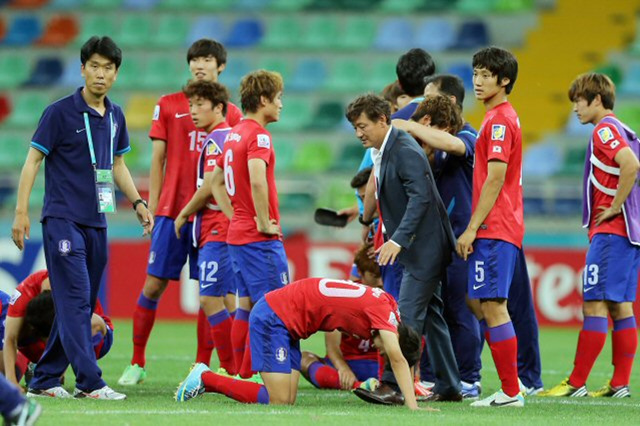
(192, 385)
(532, 391)
(54, 392)
(105, 393)
(500, 399)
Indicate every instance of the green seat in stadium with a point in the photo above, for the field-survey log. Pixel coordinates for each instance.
(213, 5)
(159, 73)
(358, 33)
(295, 202)
(337, 195)
(285, 153)
(178, 5)
(295, 114)
(282, 33)
(91, 25)
(399, 6)
(288, 5)
(321, 33)
(629, 114)
(513, 5)
(130, 73)
(139, 158)
(170, 31)
(475, 6)
(383, 73)
(27, 109)
(135, 30)
(437, 5)
(14, 69)
(612, 71)
(313, 157)
(328, 116)
(13, 150)
(102, 4)
(278, 64)
(574, 162)
(347, 75)
(350, 156)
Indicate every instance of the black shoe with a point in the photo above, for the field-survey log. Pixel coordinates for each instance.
(384, 395)
(436, 397)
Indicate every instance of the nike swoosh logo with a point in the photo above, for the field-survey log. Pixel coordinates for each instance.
(181, 115)
(586, 289)
(480, 286)
(80, 130)
(502, 404)
(206, 286)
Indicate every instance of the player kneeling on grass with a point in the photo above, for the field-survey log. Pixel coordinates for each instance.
(349, 361)
(285, 316)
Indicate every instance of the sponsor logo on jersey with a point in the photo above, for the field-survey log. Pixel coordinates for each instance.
(152, 257)
(156, 113)
(181, 115)
(15, 296)
(497, 149)
(64, 247)
(281, 354)
(264, 141)
(605, 134)
(498, 131)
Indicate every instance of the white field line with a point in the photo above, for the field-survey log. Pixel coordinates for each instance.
(204, 412)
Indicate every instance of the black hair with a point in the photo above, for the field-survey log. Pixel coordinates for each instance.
(410, 343)
(207, 47)
(361, 178)
(40, 314)
(103, 46)
(448, 84)
(499, 62)
(212, 91)
(373, 106)
(412, 68)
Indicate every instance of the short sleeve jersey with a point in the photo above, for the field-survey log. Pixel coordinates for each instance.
(25, 292)
(353, 348)
(61, 135)
(319, 304)
(500, 139)
(246, 141)
(607, 142)
(172, 123)
(213, 223)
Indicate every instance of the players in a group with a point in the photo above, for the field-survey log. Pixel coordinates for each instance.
(176, 148)
(246, 170)
(287, 315)
(611, 212)
(208, 104)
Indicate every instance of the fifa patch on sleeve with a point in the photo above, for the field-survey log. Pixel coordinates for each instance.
(156, 113)
(212, 148)
(605, 134)
(264, 141)
(14, 297)
(393, 320)
(498, 131)
(497, 149)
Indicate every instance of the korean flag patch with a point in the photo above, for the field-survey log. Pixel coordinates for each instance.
(497, 149)
(498, 131)
(264, 141)
(605, 134)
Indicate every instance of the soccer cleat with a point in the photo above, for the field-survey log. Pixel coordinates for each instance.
(612, 392)
(192, 385)
(222, 372)
(370, 384)
(54, 392)
(132, 375)
(427, 385)
(532, 391)
(27, 416)
(500, 399)
(420, 390)
(565, 389)
(105, 393)
(471, 390)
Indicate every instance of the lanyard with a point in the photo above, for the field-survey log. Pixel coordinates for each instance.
(90, 139)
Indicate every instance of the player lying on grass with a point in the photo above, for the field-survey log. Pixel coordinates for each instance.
(349, 361)
(29, 319)
(285, 316)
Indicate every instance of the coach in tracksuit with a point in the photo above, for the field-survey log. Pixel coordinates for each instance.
(83, 137)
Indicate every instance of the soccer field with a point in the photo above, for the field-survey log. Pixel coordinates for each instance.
(172, 350)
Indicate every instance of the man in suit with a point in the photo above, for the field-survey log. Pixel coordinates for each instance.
(417, 234)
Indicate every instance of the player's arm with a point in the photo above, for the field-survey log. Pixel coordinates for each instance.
(400, 367)
(195, 204)
(434, 138)
(123, 179)
(156, 175)
(497, 171)
(260, 195)
(332, 343)
(629, 168)
(21, 225)
(370, 199)
(10, 352)
(219, 192)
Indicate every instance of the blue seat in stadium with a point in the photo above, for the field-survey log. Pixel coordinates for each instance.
(575, 128)
(71, 77)
(472, 34)
(251, 5)
(464, 71)
(631, 83)
(245, 33)
(23, 31)
(394, 34)
(435, 35)
(236, 68)
(309, 74)
(542, 159)
(46, 72)
(208, 27)
(140, 4)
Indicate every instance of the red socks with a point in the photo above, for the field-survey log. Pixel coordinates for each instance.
(220, 324)
(504, 349)
(239, 331)
(590, 343)
(245, 369)
(205, 343)
(240, 390)
(624, 339)
(143, 318)
(325, 377)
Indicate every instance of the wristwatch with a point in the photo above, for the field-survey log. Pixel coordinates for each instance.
(139, 201)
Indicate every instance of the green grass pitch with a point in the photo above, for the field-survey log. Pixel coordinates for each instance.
(172, 350)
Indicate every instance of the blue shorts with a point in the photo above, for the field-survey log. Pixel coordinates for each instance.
(259, 267)
(611, 270)
(168, 254)
(216, 276)
(273, 350)
(491, 268)
(4, 306)
(392, 279)
(362, 368)
(103, 345)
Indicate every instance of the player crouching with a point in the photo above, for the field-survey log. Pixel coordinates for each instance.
(285, 316)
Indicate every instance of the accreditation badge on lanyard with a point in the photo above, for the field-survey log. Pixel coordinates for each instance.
(105, 188)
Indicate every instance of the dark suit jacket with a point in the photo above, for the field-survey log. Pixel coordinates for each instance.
(412, 210)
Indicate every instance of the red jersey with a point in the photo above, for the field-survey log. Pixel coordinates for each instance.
(353, 348)
(25, 292)
(213, 223)
(172, 123)
(607, 142)
(246, 141)
(500, 138)
(322, 304)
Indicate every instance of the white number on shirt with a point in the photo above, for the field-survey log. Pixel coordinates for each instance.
(364, 345)
(196, 140)
(479, 271)
(591, 274)
(212, 266)
(228, 173)
(339, 288)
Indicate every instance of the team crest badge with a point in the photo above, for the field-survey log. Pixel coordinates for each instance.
(156, 113)
(64, 247)
(281, 354)
(605, 134)
(212, 148)
(498, 132)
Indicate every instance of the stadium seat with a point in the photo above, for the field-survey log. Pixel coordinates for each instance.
(13, 150)
(285, 153)
(295, 114)
(475, 6)
(573, 164)
(347, 75)
(542, 160)
(399, 6)
(139, 111)
(309, 75)
(575, 128)
(14, 69)
(435, 35)
(613, 71)
(321, 33)
(135, 30)
(130, 73)
(464, 71)
(629, 113)
(383, 73)
(139, 158)
(46, 72)
(212, 5)
(394, 34)
(28, 4)
(140, 4)
(288, 5)
(5, 107)
(278, 64)
(472, 34)
(60, 30)
(437, 5)
(631, 83)
(178, 5)
(27, 109)
(328, 116)
(102, 4)
(350, 156)
(92, 24)
(358, 33)
(170, 31)
(282, 33)
(313, 157)
(23, 31)
(295, 201)
(65, 4)
(207, 27)
(251, 5)
(160, 72)
(244, 33)
(337, 194)
(236, 68)
(72, 77)
(509, 6)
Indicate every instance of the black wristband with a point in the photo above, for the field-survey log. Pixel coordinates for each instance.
(364, 222)
(139, 201)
